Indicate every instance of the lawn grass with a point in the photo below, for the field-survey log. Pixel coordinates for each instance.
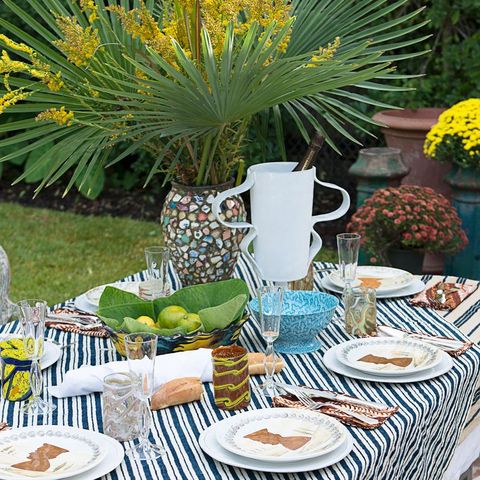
(57, 255)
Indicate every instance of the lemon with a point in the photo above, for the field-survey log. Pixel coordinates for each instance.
(146, 321)
(171, 316)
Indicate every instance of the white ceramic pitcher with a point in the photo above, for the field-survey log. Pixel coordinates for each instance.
(281, 203)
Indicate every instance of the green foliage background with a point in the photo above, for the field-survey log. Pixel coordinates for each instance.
(451, 73)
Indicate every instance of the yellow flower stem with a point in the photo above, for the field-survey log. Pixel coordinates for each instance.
(204, 160)
(198, 27)
(240, 173)
(209, 171)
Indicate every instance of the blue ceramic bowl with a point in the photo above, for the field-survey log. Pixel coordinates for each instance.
(304, 316)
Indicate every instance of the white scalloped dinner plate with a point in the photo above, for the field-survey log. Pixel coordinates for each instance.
(84, 451)
(330, 360)
(325, 432)
(424, 356)
(391, 279)
(209, 444)
(413, 288)
(93, 295)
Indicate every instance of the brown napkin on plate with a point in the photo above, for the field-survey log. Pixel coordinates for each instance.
(381, 415)
(443, 296)
(99, 332)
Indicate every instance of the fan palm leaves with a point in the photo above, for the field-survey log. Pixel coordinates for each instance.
(169, 80)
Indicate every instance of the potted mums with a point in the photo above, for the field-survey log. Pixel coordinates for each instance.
(455, 140)
(399, 224)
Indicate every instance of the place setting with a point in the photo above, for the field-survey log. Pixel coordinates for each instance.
(388, 282)
(156, 284)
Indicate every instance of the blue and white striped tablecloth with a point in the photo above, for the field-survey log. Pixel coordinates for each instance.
(415, 444)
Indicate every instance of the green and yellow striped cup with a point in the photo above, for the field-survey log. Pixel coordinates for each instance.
(231, 380)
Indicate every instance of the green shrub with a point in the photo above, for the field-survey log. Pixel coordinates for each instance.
(451, 70)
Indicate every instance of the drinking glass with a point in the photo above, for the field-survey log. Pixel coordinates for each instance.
(122, 409)
(348, 246)
(360, 311)
(141, 350)
(157, 271)
(270, 302)
(32, 319)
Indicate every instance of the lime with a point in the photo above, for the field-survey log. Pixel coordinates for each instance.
(171, 316)
(191, 322)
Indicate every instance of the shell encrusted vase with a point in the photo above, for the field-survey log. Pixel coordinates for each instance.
(202, 250)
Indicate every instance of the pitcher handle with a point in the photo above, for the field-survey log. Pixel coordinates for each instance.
(325, 217)
(222, 196)
(250, 236)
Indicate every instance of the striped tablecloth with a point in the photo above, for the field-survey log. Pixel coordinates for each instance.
(415, 444)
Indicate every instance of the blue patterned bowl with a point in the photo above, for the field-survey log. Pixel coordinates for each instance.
(304, 316)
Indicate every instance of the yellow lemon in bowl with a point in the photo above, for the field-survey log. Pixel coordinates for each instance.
(148, 321)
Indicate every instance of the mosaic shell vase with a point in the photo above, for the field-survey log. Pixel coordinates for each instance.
(202, 250)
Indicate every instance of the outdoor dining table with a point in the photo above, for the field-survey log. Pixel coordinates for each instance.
(417, 443)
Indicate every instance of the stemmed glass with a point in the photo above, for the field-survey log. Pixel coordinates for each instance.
(157, 271)
(348, 246)
(141, 350)
(270, 302)
(32, 319)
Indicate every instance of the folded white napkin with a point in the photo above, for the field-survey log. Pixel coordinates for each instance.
(89, 379)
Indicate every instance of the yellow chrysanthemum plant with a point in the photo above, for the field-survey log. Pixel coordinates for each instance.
(183, 79)
(456, 136)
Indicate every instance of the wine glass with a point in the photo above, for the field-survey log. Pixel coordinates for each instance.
(141, 350)
(32, 319)
(348, 246)
(270, 302)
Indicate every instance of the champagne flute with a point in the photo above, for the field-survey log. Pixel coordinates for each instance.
(157, 271)
(32, 319)
(348, 247)
(141, 350)
(270, 302)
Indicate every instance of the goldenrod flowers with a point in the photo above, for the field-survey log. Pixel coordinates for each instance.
(60, 117)
(456, 136)
(326, 53)
(140, 23)
(12, 97)
(79, 44)
(34, 67)
(90, 8)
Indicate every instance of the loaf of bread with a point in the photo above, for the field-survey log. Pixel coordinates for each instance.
(190, 389)
(256, 364)
(176, 392)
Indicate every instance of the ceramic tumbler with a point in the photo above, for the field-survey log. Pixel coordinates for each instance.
(15, 374)
(231, 380)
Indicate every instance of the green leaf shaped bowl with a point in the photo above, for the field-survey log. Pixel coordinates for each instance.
(220, 306)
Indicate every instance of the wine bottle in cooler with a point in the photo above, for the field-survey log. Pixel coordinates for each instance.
(308, 160)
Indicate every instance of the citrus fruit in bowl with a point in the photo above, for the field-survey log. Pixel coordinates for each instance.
(198, 316)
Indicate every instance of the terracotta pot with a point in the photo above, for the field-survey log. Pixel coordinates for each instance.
(407, 130)
(202, 250)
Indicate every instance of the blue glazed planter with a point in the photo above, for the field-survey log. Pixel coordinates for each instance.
(304, 316)
(465, 185)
